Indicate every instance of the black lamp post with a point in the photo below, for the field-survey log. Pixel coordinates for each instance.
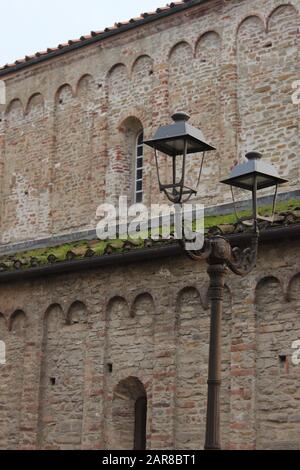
(177, 141)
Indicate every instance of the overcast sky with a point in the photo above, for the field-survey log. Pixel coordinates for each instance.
(29, 26)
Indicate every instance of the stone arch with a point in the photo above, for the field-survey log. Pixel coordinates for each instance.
(77, 313)
(141, 64)
(180, 71)
(254, 18)
(117, 84)
(114, 301)
(25, 193)
(62, 374)
(210, 42)
(35, 106)
(53, 318)
(84, 86)
(17, 323)
(203, 95)
(192, 333)
(279, 10)
(191, 330)
(15, 106)
(293, 292)
(129, 415)
(142, 81)
(267, 289)
(64, 95)
(129, 348)
(73, 160)
(178, 48)
(140, 298)
(53, 323)
(267, 61)
(15, 357)
(276, 384)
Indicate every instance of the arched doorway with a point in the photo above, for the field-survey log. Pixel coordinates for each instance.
(129, 414)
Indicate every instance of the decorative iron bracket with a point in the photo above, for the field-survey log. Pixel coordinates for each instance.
(217, 250)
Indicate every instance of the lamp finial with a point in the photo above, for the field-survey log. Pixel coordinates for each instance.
(180, 116)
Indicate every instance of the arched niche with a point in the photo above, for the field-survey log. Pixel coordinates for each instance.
(276, 381)
(294, 289)
(50, 377)
(118, 87)
(77, 314)
(267, 66)
(181, 72)
(62, 374)
(192, 330)
(53, 319)
(18, 323)
(142, 80)
(85, 87)
(268, 295)
(129, 348)
(14, 112)
(16, 359)
(129, 415)
(73, 159)
(208, 47)
(25, 171)
(35, 106)
(63, 96)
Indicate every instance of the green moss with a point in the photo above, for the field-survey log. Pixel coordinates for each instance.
(85, 248)
(266, 210)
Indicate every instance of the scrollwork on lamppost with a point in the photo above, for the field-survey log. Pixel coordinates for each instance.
(239, 261)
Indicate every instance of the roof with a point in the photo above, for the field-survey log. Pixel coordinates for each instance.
(95, 36)
(85, 250)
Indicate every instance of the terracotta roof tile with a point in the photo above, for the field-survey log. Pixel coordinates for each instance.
(93, 34)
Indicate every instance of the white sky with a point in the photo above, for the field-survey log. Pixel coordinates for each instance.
(28, 26)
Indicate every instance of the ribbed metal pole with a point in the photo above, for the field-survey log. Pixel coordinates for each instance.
(217, 280)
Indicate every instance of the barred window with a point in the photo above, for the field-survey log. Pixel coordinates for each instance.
(139, 166)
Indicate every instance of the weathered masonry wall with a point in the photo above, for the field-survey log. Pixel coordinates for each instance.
(66, 132)
(82, 348)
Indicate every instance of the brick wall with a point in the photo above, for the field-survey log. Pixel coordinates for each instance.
(63, 148)
(75, 340)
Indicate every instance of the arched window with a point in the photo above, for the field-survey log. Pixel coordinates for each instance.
(139, 166)
(129, 415)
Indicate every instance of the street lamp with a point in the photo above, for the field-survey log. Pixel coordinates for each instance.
(181, 139)
(177, 141)
(254, 175)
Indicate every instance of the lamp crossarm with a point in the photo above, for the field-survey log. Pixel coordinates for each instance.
(217, 250)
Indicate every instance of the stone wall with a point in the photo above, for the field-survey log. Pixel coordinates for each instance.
(66, 132)
(81, 348)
